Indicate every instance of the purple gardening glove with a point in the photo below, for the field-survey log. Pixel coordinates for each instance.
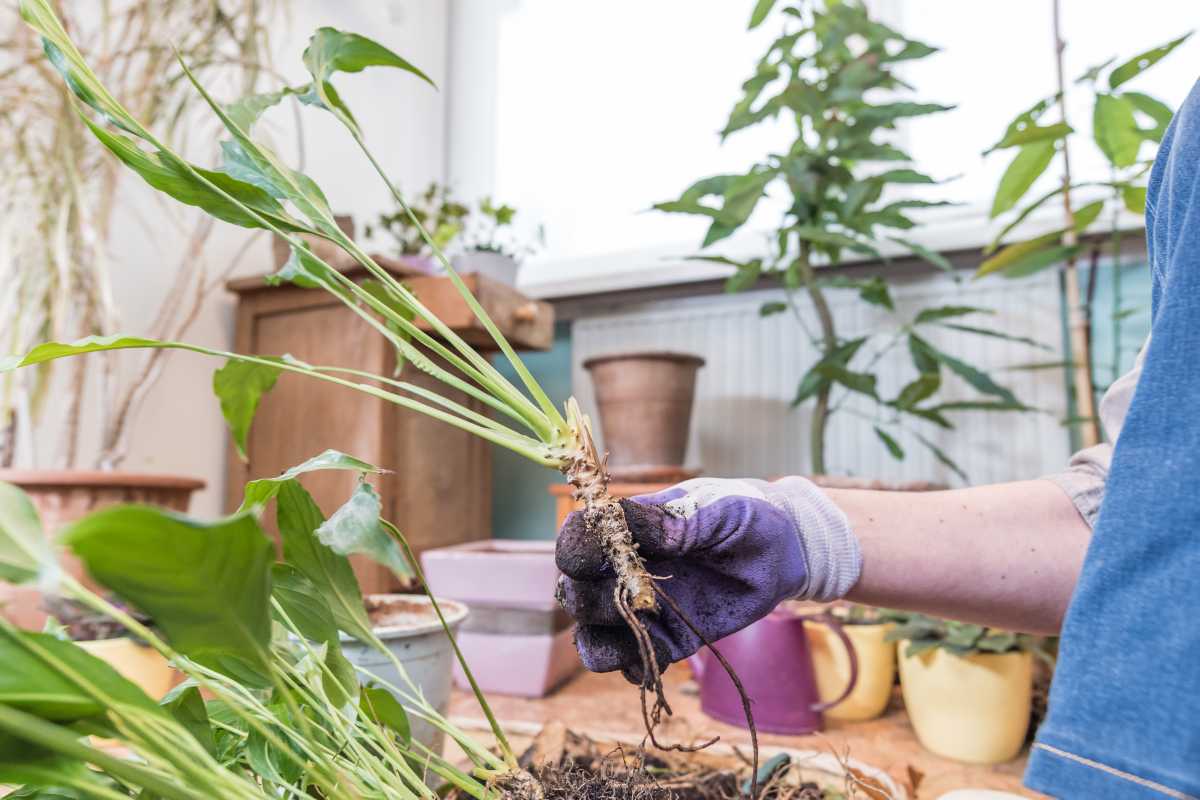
(730, 551)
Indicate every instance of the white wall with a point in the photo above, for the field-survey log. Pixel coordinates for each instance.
(180, 429)
(582, 115)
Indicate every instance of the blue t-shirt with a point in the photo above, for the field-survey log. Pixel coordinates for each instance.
(1124, 715)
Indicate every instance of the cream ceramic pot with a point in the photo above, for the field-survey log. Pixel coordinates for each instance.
(876, 669)
(972, 708)
(142, 665)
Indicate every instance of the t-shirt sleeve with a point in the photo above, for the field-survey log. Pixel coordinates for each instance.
(1087, 472)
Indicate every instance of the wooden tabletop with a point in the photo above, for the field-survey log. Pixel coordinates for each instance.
(607, 706)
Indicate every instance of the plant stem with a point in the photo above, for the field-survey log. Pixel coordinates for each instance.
(1081, 373)
(821, 411)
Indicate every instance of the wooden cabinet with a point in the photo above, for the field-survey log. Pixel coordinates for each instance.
(438, 490)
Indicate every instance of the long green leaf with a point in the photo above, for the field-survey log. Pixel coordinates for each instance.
(1116, 130)
(331, 51)
(975, 377)
(355, 528)
(298, 518)
(890, 443)
(1156, 109)
(1028, 165)
(1143, 61)
(240, 385)
(761, 9)
(25, 552)
(259, 492)
(206, 585)
(1033, 133)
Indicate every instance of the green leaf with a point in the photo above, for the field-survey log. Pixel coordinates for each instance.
(330, 51)
(976, 378)
(240, 385)
(1157, 110)
(1025, 119)
(206, 585)
(855, 381)
(1028, 165)
(946, 312)
(397, 306)
(944, 459)
(996, 334)
(185, 704)
(1139, 63)
(355, 528)
(925, 385)
(1015, 253)
(746, 277)
(921, 251)
(25, 551)
(261, 491)
(1134, 198)
(892, 445)
(307, 610)
(58, 680)
(903, 176)
(1021, 217)
(266, 759)
(761, 9)
(298, 518)
(384, 709)
(814, 380)
(773, 307)
(870, 290)
(89, 344)
(246, 111)
(223, 196)
(1035, 262)
(1116, 130)
(1032, 133)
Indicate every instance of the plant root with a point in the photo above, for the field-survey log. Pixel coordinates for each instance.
(637, 592)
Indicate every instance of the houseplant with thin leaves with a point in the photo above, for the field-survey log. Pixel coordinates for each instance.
(1127, 126)
(254, 188)
(831, 73)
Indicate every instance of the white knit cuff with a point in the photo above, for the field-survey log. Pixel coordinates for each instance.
(830, 547)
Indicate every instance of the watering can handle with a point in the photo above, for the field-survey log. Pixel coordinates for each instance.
(832, 623)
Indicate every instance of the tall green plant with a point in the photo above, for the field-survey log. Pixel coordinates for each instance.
(1127, 126)
(254, 188)
(831, 73)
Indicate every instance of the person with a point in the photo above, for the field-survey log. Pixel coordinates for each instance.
(1124, 715)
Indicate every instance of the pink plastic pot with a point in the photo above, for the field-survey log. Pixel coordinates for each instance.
(773, 661)
(517, 640)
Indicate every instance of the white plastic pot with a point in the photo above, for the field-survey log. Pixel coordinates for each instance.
(416, 638)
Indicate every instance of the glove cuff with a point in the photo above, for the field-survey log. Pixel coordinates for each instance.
(830, 547)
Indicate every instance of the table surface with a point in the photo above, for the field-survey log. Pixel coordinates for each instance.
(606, 706)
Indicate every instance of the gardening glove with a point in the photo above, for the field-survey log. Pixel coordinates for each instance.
(728, 552)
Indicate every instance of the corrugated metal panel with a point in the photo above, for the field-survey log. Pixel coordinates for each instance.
(743, 424)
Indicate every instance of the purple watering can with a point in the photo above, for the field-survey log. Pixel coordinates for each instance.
(773, 661)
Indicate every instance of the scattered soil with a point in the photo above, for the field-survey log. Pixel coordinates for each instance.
(569, 766)
(397, 611)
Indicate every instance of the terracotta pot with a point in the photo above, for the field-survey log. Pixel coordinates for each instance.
(64, 496)
(645, 405)
(972, 708)
(876, 669)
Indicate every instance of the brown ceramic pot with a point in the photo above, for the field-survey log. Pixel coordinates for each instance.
(645, 405)
(64, 496)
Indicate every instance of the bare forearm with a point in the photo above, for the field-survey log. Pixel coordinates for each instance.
(1006, 555)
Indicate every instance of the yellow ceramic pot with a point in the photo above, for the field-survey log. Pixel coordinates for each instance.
(972, 708)
(876, 669)
(142, 665)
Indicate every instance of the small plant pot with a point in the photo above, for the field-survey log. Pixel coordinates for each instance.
(497, 266)
(876, 669)
(645, 406)
(517, 639)
(972, 708)
(139, 663)
(63, 496)
(409, 627)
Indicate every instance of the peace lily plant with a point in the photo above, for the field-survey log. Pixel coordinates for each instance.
(286, 715)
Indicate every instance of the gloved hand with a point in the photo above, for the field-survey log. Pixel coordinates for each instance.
(729, 550)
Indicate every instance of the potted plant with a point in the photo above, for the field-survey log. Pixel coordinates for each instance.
(868, 632)
(435, 211)
(57, 242)
(491, 245)
(831, 74)
(967, 689)
(1127, 126)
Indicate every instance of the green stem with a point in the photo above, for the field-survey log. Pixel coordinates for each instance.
(548, 408)
(66, 742)
(820, 415)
